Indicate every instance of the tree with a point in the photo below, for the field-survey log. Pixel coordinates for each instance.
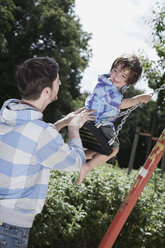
(154, 71)
(43, 28)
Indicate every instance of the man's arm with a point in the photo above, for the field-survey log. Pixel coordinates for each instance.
(78, 121)
(64, 122)
(129, 102)
(79, 117)
(61, 123)
(53, 152)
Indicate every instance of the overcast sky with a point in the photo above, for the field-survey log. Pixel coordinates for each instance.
(117, 26)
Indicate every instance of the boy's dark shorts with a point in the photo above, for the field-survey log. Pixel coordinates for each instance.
(109, 134)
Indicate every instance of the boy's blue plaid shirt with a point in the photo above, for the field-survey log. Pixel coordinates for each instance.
(105, 99)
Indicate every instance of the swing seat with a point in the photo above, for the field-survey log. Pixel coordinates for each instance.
(94, 140)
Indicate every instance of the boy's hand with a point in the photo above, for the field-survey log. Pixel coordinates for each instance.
(146, 98)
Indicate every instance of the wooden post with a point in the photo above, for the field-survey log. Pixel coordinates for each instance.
(163, 164)
(133, 195)
(133, 152)
(153, 127)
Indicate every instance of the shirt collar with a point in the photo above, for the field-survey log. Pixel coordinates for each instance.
(104, 78)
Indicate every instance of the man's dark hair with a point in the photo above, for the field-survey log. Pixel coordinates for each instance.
(34, 75)
(131, 62)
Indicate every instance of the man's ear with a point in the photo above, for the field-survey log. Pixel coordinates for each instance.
(46, 91)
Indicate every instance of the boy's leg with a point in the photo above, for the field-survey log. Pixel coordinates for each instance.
(89, 154)
(94, 162)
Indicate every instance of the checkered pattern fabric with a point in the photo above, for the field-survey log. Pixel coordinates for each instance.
(29, 148)
(105, 99)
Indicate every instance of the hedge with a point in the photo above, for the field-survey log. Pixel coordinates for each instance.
(78, 216)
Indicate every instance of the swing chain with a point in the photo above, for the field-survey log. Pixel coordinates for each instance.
(127, 113)
(158, 89)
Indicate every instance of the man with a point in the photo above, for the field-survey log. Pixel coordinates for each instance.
(30, 147)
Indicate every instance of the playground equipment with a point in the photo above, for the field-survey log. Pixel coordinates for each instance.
(133, 195)
(134, 147)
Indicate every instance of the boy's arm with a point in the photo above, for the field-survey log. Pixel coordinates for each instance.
(129, 102)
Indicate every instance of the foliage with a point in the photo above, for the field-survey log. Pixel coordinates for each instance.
(157, 26)
(154, 70)
(79, 102)
(154, 74)
(43, 28)
(78, 216)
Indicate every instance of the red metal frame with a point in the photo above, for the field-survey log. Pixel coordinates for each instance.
(133, 195)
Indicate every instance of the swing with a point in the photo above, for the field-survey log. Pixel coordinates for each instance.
(94, 140)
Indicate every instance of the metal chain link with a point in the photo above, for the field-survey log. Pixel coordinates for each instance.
(128, 112)
(158, 90)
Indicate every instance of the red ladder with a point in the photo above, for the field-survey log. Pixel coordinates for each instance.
(133, 195)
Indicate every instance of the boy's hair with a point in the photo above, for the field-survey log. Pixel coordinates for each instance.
(34, 75)
(131, 62)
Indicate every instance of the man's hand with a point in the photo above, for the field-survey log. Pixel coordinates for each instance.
(78, 121)
(80, 117)
(71, 115)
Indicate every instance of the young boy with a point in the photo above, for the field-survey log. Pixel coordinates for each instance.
(107, 100)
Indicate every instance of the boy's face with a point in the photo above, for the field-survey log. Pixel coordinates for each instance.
(119, 76)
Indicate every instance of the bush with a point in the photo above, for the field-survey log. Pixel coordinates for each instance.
(78, 216)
